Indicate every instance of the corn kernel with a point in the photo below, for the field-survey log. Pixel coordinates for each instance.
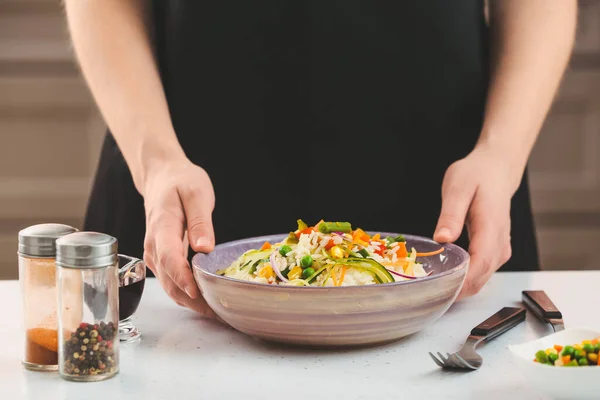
(266, 272)
(336, 252)
(578, 347)
(551, 350)
(593, 358)
(586, 342)
(295, 273)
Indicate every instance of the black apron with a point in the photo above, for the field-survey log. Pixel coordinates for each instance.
(335, 109)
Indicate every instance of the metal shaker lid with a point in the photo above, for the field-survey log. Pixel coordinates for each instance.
(86, 250)
(39, 240)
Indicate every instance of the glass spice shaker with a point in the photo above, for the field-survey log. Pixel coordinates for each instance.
(37, 276)
(88, 306)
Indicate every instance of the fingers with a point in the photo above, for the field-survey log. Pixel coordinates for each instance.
(457, 194)
(489, 231)
(181, 298)
(198, 205)
(169, 254)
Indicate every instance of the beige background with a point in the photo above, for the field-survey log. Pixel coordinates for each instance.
(51, 135)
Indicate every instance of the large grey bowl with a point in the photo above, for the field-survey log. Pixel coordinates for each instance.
(332, 316)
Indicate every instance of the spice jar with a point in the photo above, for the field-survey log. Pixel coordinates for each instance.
(88, 306)
(37, 276)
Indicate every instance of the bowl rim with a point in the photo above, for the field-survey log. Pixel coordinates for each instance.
(462, 253)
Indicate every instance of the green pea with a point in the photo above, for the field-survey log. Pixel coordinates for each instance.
(552, 357)
(308, 272)
(283, 250)
(583, 361)
(597, 348)
(573, 363)
(578, 354)
(306, 261)
(541, 357)
(588, 348)
(568, 351)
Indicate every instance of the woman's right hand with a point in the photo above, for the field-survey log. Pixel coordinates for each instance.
(179, 200)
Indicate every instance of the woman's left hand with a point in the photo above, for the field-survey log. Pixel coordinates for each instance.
(477, 191)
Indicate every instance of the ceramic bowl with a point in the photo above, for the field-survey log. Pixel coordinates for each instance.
(558, 382)
(331, 316)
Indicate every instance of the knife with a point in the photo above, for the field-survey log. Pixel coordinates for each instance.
(540, 304)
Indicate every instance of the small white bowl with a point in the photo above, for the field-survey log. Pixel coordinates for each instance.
(559, 382)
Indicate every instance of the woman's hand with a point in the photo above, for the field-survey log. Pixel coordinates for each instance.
(179, 201)
(477, 190)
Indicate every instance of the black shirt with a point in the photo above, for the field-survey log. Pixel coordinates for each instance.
(342, 110)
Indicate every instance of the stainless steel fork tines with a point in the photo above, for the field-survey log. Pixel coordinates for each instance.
(467, 358)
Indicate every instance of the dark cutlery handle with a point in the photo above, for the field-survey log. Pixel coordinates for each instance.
(541, 305)
(502, 321)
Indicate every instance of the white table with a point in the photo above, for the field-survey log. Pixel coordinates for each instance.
(183, 357)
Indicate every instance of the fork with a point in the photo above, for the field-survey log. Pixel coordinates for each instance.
(467, 358)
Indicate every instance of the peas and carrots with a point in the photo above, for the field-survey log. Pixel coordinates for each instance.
(583, 354)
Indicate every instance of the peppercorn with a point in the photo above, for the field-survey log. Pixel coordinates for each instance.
(91, 349)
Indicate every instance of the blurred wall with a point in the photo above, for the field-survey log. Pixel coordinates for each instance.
(51, 134)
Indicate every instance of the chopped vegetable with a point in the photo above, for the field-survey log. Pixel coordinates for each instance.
(336, 252)
(301, 225)
(401, 251)
(541, 357)
(295, 273)
(431, 253)
(266, 246)
(283, 250)
(306, 261)
(266, 272)
(329, 227)
(307, 273)
(363, 253)
(343, 275)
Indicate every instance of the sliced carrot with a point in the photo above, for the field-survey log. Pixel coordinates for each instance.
(333, 277)
(431, 253)
(566, 359)
(558, 347)
(401, 251)
(342, 276)
(266, 246)
(329, 245)
(594, 341)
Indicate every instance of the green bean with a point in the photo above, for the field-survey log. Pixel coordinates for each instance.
(329, 227)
